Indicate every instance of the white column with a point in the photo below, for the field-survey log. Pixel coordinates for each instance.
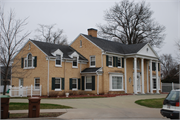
(125, 75)
(98, 85)
(135, 75)
(157, 80)
(142, 73)
(151, 87)
(147, 77)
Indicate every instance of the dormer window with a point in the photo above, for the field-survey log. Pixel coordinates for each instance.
(75, 62)
(58, 60)
(92, 61)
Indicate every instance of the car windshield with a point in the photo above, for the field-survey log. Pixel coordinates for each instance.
(173, 95)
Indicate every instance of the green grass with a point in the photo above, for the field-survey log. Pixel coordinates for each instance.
(152, 103)
(25, 106)
(25, 115)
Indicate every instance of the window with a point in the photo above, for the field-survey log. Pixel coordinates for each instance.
(58, 60)
(20, 82)
(116, 82)
(57, 83)
(74, 83)
(88, 82)
(75, 62)
(119, 62)
(80, 43)
(37, 83)
(154, 83)
(92, 61)
(110, 61)
(29, 60)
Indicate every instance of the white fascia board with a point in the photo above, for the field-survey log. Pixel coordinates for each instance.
(93, 43)
(74, 39)
(20, 49)
(39, 48)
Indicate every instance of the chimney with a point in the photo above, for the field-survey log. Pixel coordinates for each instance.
(92, 32)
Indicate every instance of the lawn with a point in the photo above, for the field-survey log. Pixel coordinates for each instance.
(24, 106)
(25, 115)
(152, 103)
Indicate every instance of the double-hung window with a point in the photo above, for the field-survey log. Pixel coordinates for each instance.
(58, 60)
(110, 61)
(154, 83)
(92, 61)
(119, 62)
(57, 83)
(74, 84)
(88, 82)
(37, 83)
(20, 82)
(75, 64)
(116, 82)
(30, 60)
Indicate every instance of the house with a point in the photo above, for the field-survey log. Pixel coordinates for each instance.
(91, 65)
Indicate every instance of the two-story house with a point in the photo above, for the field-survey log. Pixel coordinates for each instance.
(91, 65)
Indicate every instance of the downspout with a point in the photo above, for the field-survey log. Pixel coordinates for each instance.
(97, 83)
(48, 78)
(64, 71)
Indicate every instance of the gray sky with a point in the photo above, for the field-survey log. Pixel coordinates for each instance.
(76, 16)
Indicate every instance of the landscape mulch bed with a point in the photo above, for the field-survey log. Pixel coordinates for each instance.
(88, 96)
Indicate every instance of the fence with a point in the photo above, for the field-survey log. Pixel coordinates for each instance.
(2, 88)
(167, 87)
(25, 91)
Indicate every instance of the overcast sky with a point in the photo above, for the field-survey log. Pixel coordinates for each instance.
(76, 16)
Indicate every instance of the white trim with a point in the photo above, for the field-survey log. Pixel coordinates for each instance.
(151, 86)
(135, 75)
(154, 77)
(92, 42)
(60, 61)
(75, 89)
(85, 84)
(60, 82)
(77, 58)
(111, 61)
(20, 82)
(90, 61)
(142, 75)
(110, 82)
(125, 75)
(35, 82)
(48, 79)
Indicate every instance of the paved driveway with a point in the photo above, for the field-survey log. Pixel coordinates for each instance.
(109, 108)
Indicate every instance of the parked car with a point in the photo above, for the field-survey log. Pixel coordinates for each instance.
(171, 106)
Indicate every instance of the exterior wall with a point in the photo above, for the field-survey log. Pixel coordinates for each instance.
(28, 75)
(87, 50)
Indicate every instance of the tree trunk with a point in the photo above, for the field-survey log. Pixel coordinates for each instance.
(5, 82)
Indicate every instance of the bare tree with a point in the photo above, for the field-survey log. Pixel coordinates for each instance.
(47, 34)
(131, 23)
(11, 37)
(168, 64)
(178, 50)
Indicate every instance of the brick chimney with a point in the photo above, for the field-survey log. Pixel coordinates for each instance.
(92, 32)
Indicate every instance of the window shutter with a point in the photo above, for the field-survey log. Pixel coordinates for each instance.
(53, 83)
(153, 66)
(82, 82)
(62, 83)
(79, 84)
(122, 62)
(107, 60)
(114, 61)
(70, 83)
(35, 61)
(93, 82)
(158, 67)
(22, 62)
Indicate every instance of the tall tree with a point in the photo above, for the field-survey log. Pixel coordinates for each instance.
(131, 23)
(47, 34)
(168, 65)
(11, 38)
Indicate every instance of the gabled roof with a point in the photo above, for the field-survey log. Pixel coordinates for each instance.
(90, 70)
(48, 48)
(115, 47)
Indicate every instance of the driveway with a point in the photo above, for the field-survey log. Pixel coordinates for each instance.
(109, 108)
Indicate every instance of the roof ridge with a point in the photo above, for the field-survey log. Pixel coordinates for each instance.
(47, 42)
